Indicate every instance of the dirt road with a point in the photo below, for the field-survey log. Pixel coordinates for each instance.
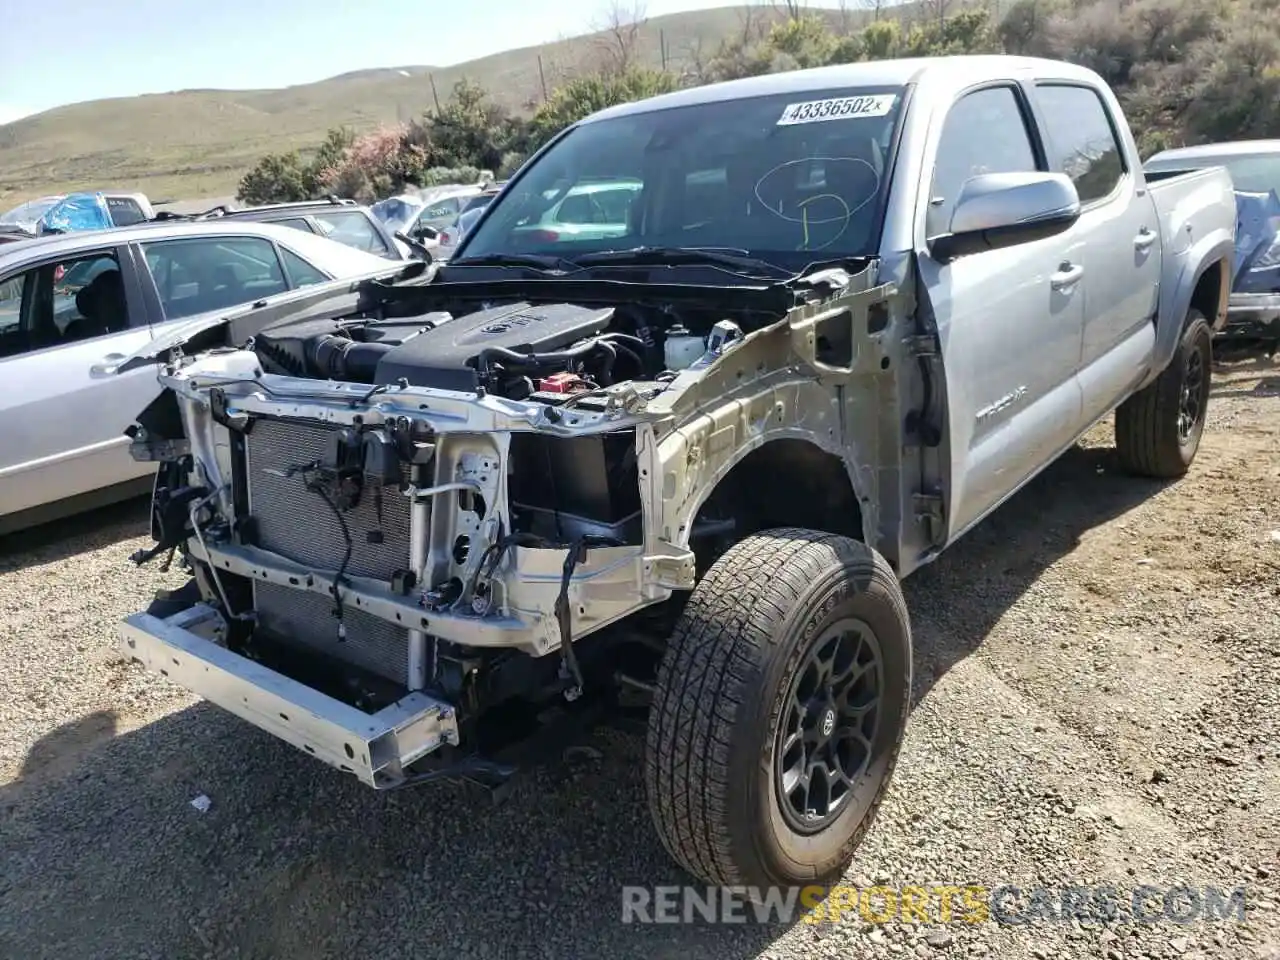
(1097, 702)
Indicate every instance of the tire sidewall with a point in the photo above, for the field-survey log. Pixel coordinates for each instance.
(843, 591)
(1196, 337)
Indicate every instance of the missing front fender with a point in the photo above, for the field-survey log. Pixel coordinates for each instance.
(158, 436)
(170, 515)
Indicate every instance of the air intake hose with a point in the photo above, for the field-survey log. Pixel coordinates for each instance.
(341, 359)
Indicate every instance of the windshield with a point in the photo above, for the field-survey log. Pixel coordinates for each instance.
(778, 176)
(478, 202)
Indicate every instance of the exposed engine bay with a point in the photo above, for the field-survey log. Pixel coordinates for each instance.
(559, 354)
(540, 351)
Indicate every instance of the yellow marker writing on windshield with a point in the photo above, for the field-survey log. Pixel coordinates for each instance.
(804, 217)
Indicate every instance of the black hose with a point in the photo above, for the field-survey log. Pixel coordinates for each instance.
(526, 360)
(632, 356)
(564, 618)
(340, 574)
(624, 338)
(610, 358)
(610, 344)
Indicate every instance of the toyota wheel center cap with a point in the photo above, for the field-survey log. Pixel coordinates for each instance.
(828, 722)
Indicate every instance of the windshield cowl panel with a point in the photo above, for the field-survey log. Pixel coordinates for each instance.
(645, 274)
(783, 180)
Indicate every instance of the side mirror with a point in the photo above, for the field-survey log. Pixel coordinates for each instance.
(996, 210)
(425, 232)
(413, 243)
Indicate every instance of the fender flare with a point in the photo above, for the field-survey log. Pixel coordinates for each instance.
(1213, 248)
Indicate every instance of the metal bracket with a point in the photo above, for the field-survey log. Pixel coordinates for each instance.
(144, 450)
(924, 345)
(376, 748)
(222, 412)
(929, 507)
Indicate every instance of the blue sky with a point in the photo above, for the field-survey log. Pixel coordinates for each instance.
(54, 52)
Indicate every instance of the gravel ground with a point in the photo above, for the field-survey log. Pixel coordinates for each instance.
(1097, 702)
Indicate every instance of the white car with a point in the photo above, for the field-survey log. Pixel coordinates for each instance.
(73, 304)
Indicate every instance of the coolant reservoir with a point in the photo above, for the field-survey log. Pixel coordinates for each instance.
(681, 348)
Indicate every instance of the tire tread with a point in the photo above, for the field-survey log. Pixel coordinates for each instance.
(713, 669)
(1146, 423)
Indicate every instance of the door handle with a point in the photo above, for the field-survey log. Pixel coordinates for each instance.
(106, 367)
(1144, 239)
(1068, 273)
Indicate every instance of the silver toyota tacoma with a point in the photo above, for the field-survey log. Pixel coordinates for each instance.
(678, 471)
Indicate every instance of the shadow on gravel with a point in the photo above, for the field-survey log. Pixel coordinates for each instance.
(957, 600)
(104, 856)
(60, 539)
(293, 861)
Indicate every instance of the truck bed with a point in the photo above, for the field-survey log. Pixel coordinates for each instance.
(1193, 208)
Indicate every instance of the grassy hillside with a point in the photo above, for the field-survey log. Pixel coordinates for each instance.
(197, 143)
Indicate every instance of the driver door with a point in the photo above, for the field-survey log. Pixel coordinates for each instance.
(1010, 321)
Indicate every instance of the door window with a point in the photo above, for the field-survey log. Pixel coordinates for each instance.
(354, 229)
(301, 273)
(12, 292)
(213, 273)
(297, 223)
(1082, 138)
(985, 132)
(478, 202)
(443, 210)
(62, 302)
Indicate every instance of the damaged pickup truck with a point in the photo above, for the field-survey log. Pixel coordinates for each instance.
(831, 319)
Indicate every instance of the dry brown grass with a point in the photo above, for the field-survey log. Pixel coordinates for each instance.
(198, 143)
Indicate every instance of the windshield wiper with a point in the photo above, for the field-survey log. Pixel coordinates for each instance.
(738, 260)
(516, 260)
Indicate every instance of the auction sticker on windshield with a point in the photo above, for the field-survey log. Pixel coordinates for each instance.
(837, 108)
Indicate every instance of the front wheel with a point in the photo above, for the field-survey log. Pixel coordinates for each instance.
(1158, 429)
(780, 708)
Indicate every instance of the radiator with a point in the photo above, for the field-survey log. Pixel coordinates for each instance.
(296, 523)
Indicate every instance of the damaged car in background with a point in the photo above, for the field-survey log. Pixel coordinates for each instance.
(1253, 312)
(679, 467)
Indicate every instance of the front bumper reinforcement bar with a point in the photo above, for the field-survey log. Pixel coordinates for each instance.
(375, 747)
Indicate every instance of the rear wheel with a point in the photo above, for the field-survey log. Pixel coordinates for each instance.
(1158, 429)
(780, 707)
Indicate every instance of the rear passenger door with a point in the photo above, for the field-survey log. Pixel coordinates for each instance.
(1009, 320)
(199, 274)
(1121, 252)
